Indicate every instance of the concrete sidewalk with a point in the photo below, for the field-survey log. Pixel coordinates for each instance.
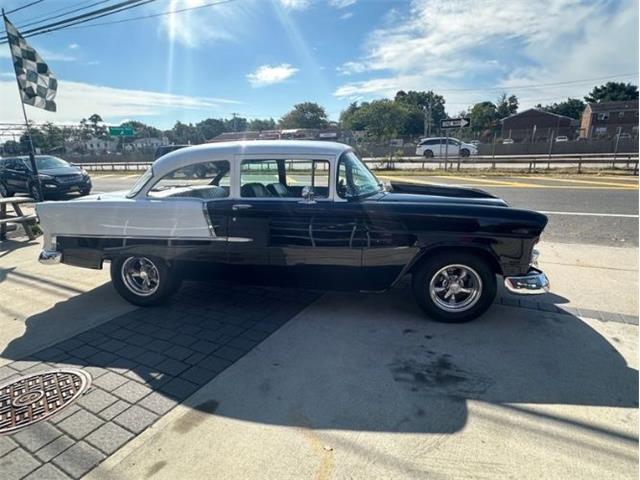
(355, 386)
(362, 387)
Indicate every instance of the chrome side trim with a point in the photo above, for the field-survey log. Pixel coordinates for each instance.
(535, 282)
(49, 257)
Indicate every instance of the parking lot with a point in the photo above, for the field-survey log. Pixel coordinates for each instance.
(303, 384)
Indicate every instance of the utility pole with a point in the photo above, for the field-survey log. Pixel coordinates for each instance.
(234, 115)
(427, 119)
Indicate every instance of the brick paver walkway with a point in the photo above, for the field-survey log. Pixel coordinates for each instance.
(143, 363)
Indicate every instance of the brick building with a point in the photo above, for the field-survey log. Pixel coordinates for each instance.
(537, 125)
(604, 119)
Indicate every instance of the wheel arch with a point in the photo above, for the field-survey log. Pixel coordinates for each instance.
(488, 256)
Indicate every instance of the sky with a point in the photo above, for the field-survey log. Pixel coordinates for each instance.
(257, 58)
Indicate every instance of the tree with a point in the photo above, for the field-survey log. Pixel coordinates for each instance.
(142, 130)
(235, 124)
(506, 106)
(210, 128)
(258, 125)
(352, 119)
(184, 134)
(305, 115)
(611, 92)
(484, 117)
(571, 107)
(97, 130)
(426, 102)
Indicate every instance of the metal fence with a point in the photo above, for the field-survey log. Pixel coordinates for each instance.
(621, 161)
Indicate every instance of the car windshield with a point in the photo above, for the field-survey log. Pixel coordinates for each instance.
(355, 180)
(141, 182)
(45, 163)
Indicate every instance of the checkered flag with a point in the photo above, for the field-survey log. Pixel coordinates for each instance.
(37, 83)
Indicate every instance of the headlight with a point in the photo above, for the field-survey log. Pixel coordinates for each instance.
(84, 173)
(42, 176)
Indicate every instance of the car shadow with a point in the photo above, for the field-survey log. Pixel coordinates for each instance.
(351, 361)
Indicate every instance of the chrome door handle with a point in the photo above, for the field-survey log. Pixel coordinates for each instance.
(241, 206)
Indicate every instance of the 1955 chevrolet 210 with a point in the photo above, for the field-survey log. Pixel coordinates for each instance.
(301, 213)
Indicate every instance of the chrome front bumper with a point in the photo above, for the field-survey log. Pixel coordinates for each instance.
(534, 282)
(49, 257)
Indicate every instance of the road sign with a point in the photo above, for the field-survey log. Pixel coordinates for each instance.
(121, 131)
(455, 123)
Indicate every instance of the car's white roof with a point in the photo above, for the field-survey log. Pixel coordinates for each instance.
(227, 151)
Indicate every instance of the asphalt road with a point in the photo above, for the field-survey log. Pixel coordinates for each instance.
(595, 210)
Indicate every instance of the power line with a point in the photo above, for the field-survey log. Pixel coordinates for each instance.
(85, 17)
(521, 87)
(23, 7)
(65, 11)
(170, 12)
(142, 17)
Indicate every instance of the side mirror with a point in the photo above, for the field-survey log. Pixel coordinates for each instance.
(308, 194)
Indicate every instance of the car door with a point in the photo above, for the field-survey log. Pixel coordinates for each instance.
(16, 175)
(454, 148)
(277, 236)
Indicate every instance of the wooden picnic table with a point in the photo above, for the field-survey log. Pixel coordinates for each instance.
(18, 217)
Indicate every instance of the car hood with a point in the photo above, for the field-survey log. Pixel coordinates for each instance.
(60, 171)
(438, 193)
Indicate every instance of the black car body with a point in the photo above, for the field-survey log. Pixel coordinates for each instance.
(307, 214)
(57, 177)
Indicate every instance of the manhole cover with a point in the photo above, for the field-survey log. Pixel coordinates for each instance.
(27, 400)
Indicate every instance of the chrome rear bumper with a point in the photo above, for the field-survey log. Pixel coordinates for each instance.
(534, 282)
(49, 257)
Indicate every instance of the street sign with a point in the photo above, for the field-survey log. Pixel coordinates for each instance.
(455, 123)
(121, 131)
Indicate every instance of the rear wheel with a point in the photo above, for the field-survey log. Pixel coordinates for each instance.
(34, 192)
(144, 280)
(454, 287)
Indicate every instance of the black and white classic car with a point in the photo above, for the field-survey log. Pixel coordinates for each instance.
(301, 213)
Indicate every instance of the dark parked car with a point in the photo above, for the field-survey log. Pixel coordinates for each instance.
(57, 177)
(308, 214)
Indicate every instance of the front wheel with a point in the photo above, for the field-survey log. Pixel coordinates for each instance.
(143, 280)
(454, 287)
(428, 154)
(4, 191)
(464, 152)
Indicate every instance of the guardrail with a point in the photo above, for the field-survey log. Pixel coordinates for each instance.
(628, 161)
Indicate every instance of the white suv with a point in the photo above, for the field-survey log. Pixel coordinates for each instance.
(441, 146)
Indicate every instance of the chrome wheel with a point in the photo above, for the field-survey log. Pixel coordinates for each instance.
(140, 275)
(455, 288)
(3, 191)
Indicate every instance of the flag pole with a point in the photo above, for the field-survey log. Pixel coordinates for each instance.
(32, 151)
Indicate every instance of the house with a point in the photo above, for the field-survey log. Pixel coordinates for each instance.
(606, 119)
(92, 145)
(536, 125)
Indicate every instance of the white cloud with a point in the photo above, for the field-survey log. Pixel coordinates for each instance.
(341, 3)
(349, 68)
(448, 44)
(346, 15)
(270, 75)
(74, 46)
(295, 4)
(77, 100)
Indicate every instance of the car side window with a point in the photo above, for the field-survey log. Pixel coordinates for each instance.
(283, 178)
(206, 180)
